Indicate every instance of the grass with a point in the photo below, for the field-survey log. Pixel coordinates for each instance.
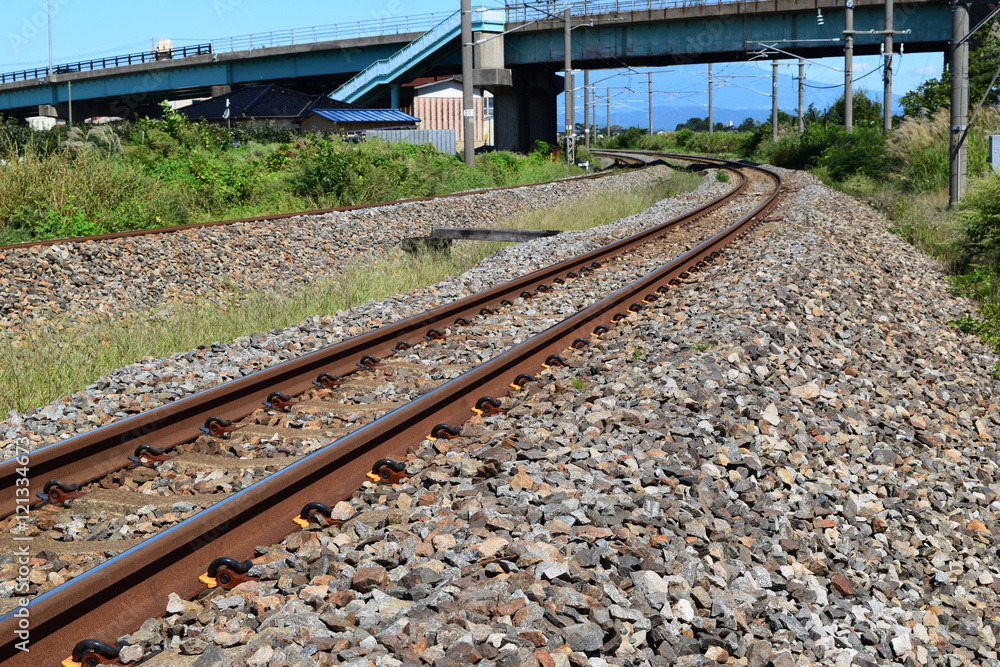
(155, 173)
(920, 218)
(580, 214)
(982, 284)
(42, 362)
(966, 241)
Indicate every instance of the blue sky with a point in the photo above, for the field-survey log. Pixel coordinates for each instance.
(84, 29)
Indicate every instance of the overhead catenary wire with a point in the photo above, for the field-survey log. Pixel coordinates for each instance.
(853, 80)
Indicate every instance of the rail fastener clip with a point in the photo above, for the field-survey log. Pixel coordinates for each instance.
(60, 493)
(218, 427)
(149, 456)
(278, 401)
(388, 471)
(227, 573)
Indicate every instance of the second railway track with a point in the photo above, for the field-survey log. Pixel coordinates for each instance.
(429, 394)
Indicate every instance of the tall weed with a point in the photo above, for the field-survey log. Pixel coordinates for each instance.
(65, 195)
(45, 361)
(980, 210)
(921, 145)
(151, 173)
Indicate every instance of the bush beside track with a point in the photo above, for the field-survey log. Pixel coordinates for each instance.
(82, 181)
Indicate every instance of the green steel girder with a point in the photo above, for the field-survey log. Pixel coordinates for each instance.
(729, 35)
(726, 38)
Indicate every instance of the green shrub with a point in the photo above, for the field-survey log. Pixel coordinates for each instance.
(499, 166)
(751, 142)
(921, 146)
(264, 132)
(682, 137)
(980, 210)
(171, 171)
(65, 195)
(630, 139)
(715, 143)
(862, 151)
(799, 151)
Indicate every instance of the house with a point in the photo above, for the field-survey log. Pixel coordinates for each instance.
(294, 110)
(356, 120)
(438, 105)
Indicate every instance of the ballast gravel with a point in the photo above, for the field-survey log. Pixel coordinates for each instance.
(791, 462)
(154, 382)
(107, 279)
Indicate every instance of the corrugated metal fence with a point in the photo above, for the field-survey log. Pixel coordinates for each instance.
(443, 140)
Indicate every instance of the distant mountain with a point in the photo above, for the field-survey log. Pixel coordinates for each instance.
(733, 103)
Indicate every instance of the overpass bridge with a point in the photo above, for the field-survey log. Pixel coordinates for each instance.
(519, 50)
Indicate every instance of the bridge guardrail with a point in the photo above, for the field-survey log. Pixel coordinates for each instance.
(369, 28)
(553, 10)
(111, 61)
(384, 67)
(309, 35)
(327, 33)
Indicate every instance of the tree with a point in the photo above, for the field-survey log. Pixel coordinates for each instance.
(813, 115)
(934, 94)
(695, 124)
(928, 97)
(866, 112)
(748, 125)
(785, 118)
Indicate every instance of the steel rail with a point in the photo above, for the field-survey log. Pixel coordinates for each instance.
(113, 598)
(283, 216)
(92, 455)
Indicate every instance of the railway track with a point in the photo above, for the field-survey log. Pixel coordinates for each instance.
(625, 161)
(375, 397)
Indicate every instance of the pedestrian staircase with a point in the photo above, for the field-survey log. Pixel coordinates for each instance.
(365, 87)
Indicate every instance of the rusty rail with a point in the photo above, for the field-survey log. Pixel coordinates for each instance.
(140, 579)
(277, 216)
(96, 453)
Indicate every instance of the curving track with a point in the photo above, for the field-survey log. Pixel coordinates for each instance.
(428, 390)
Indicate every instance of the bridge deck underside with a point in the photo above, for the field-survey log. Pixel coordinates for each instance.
(720, 33)
(647, 39)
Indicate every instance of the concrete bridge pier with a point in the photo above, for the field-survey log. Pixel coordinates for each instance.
(524, 100)
(85, 109)
(527, 116)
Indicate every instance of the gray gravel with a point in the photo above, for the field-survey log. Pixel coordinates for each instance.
(154, 382)
(111, 278)
(794, 464)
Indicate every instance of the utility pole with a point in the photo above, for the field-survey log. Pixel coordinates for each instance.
(607, 112)
(586, 109)
(887, 71)
(959, 100)
(849, 66)
(711, 117)
(69, 96)
(774, 100)
(48, 22)
(468, 108)
(649, 93)
(568, 84)
(802, 96)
